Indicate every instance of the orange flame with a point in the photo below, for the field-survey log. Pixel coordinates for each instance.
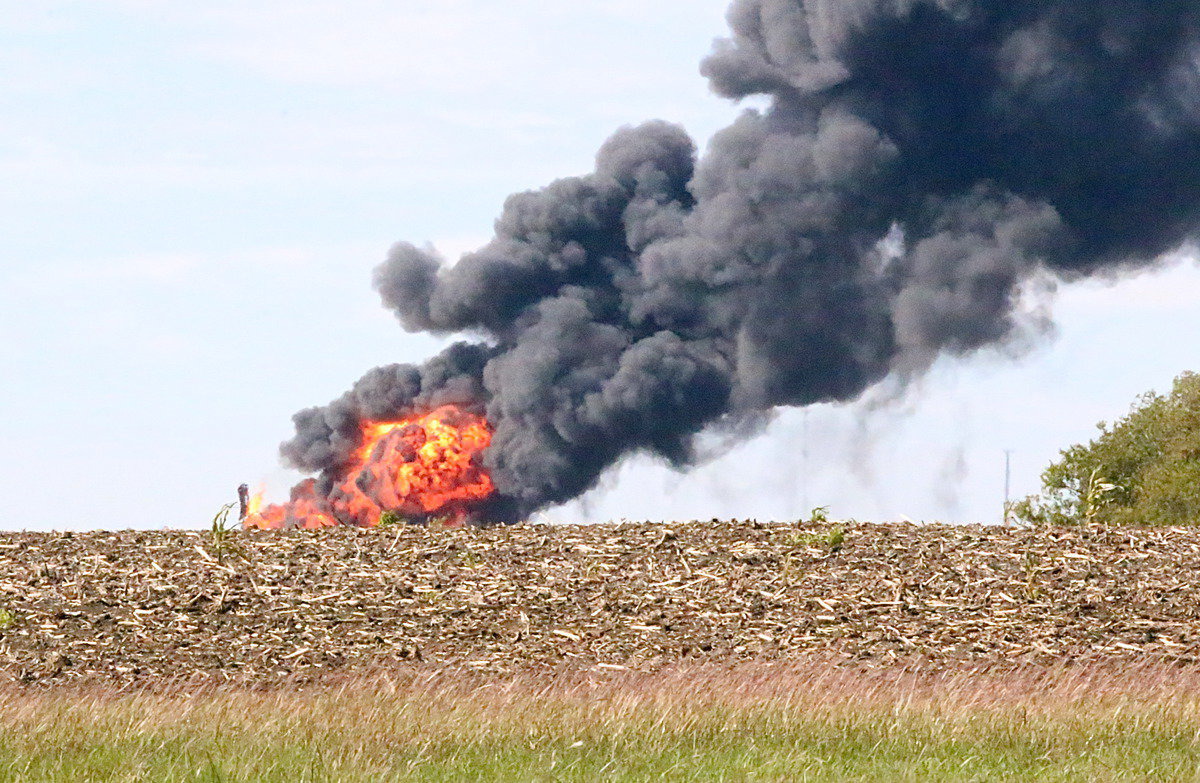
(419, 468)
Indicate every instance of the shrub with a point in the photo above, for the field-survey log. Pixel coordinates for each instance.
(1141, 469)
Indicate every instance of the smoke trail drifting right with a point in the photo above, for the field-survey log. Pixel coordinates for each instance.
(919, 161)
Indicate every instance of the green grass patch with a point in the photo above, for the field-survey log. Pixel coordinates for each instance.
(682, 726)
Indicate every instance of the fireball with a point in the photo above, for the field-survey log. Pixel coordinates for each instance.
(419, 468)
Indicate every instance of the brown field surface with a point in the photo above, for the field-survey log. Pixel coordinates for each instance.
(168, 608)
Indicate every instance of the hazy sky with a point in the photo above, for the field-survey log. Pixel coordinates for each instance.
(194, 196)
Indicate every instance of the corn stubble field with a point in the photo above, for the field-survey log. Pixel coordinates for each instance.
(689, 652)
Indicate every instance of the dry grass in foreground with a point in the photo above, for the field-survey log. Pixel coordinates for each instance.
(810, 721)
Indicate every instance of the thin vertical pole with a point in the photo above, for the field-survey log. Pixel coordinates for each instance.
(1007, 486)
(804, 507)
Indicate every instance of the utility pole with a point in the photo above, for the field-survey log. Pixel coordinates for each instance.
(804, 507)
(1007, 486)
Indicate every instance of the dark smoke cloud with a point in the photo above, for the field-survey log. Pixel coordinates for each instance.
(919, 161)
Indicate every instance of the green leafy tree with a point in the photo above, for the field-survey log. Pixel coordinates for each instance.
(1142, 469)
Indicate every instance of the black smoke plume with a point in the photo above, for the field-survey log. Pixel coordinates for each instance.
(918, 162)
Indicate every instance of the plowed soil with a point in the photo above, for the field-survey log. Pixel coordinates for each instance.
(140, 607)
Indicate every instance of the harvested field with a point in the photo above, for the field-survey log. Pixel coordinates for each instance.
(151, 607)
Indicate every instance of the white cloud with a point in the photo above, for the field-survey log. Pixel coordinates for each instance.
(28, 71)
(34, 18)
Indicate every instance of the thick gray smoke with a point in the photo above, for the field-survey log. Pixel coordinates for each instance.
(918, 162)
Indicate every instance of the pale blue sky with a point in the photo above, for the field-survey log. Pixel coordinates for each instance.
(195, 195)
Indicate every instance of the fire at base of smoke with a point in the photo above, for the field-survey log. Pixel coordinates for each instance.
(918, 163)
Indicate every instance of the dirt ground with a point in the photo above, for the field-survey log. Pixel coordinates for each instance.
(139, 607)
